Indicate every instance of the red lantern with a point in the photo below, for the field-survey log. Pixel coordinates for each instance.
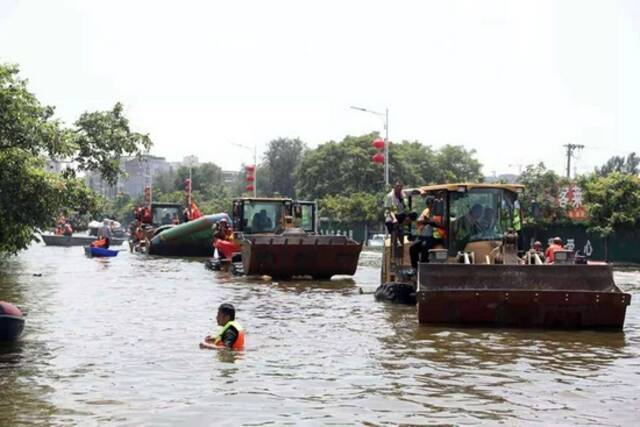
(250, 187)
(378, 143)
(250, 168)
(378, 158)
(251, 178)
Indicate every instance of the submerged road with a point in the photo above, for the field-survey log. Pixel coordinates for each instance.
(115, 341)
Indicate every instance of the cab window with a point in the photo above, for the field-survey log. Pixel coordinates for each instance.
(479, 214)
(261, 217)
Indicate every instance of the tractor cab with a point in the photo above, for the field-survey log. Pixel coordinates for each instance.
(255, 216)
(474, 217)
(466, 222)
(166, 214)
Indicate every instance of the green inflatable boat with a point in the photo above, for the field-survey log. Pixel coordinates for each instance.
(193, 238)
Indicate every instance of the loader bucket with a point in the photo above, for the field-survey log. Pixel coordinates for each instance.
(544, 296)
(300, 255)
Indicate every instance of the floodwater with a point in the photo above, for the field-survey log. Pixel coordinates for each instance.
(115, 342)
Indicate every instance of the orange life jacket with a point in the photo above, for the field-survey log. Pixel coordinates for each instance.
(194, 212)
(101, 243)
(548, 254)
(239, 344)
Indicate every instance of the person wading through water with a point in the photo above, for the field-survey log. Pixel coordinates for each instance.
(231, 336)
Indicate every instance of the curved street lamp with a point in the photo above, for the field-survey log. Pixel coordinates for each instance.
(385, 115)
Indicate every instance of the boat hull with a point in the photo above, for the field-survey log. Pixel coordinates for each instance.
(11, 327)
(547, 296)
(99, 252)
(287, 256)
(57, 240)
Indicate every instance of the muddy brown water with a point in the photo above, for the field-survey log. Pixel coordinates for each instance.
(115, 342)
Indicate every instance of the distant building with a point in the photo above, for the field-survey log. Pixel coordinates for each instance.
(139, 172)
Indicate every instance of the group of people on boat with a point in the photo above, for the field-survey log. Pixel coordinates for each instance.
(63, 227)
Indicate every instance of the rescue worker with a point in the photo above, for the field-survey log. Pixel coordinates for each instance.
(536, 249)
(555, 246)
(223, 240)
(193, 212)
(396, 213)
(394, 207)
(104, 234)
(431, 233)
(231, 336)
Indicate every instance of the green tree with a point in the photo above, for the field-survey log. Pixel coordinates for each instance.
(354, 208)
(542, 191)
(345, 167)
(101, 138)
(205, 178)
(30, 198)
(612, 202)
(620, 164)
(336, 168)
(280, 162)
(456, 164)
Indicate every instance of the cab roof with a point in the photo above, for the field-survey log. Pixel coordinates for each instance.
(515, 188)
(264, 199)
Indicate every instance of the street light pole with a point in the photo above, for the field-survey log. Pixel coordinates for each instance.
(385, 116)
(255, 164)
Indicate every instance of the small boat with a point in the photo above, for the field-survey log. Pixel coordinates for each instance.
(76, 240)
(99, 252)
(11, 322)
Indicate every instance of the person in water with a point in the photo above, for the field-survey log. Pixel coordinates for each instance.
(231, 336)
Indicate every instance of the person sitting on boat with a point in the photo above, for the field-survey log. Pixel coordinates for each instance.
(104, 235)
(67, 229)
(553, 247)
(231, 336)
(175, 220)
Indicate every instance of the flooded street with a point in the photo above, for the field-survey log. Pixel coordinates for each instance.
(115, 341)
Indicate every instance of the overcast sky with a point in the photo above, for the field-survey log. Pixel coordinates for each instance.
(514, 80)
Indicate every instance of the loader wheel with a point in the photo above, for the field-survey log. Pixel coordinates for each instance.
(213, 264)
(237, 269)
(398, 293)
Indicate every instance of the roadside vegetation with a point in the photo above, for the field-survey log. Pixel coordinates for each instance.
(340, 175)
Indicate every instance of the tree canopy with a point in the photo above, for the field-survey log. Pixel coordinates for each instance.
(613, 202)
(30, 197)
(345, 167)
(542, 191)
(281, 159)
(620, 164)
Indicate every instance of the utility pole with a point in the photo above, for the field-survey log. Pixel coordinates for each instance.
(570, 149)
